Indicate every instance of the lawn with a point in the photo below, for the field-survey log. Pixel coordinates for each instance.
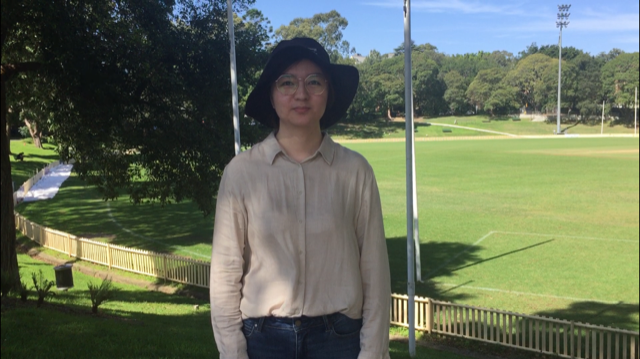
(135, 324)
(542, 226)
(34, 160)
(535, 226)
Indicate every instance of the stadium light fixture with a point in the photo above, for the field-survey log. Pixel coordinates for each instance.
(562, 22)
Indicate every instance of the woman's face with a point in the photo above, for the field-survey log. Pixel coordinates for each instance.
(303, 108)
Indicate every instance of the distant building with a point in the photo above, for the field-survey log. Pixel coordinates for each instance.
(359, 58)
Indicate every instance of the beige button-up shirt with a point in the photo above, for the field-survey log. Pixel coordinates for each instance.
(299, 239)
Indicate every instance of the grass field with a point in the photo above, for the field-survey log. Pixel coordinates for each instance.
(536, 226)
(136, 324)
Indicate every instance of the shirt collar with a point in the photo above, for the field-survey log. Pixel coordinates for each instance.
(272, 148)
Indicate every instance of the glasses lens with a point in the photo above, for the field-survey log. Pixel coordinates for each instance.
(287, 84)
(316, 84)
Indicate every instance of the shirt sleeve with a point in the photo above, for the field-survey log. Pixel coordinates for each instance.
(374, 268)
(227, 270)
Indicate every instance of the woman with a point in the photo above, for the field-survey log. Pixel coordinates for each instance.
(299, 265)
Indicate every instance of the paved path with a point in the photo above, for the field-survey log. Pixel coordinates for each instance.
(472, 129)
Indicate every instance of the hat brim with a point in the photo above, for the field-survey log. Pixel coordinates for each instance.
(344, 82)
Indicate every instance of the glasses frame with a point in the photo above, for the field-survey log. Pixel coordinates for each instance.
(304, 81)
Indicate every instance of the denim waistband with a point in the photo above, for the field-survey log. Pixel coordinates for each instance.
(293, 324)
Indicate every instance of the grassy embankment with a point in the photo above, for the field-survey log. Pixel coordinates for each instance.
(552, 215)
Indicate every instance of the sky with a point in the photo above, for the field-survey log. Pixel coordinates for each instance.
(469, 26)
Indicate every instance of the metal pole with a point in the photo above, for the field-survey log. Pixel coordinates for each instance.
(416, 221)
(559, 81)
(234, 79)
(602, 128)
(408, 111)
(635, 115)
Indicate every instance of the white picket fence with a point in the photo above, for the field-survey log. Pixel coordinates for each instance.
(566, 339)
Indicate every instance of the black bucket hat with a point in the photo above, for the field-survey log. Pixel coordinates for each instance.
(343, 81)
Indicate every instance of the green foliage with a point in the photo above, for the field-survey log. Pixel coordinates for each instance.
(455, 94)
(99, 294)
(531, 77)
(568, 53)
(482, 87)
(326, 28)
(620, 79)
(42, 286)
(24, 131)
(141, 99)
(23, 291)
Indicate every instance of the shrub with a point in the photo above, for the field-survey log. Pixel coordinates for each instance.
(42, 287)
(24, 132)
(100, 294)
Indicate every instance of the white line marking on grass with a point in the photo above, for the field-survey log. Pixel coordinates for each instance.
(528, 294)
(150, 239)
(459, 254)
(570, 237)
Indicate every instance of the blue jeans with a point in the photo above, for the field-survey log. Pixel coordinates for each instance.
(334, 336)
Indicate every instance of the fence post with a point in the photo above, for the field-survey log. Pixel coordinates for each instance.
(69, 244)
(429, 315)
(165, 269)
(109, 255)
(572, 341)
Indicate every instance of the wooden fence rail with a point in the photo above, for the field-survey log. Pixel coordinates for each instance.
(158, 265)
(563, 338)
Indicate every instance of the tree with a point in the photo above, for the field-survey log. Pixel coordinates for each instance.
(428, 86)
(586, 92)
(139, 93)
(483, 86)
(620, 79)
(326, 28)
(455, 94)
(606, 57)
(25, 96)
(568, 53)
(503, 100)
(529, 78)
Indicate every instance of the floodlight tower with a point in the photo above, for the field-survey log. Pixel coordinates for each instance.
(563, 17)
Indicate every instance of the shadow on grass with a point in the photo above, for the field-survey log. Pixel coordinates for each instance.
(431, 252)
(369, 130)
(71, 332)
(80, 210)
(619, 315)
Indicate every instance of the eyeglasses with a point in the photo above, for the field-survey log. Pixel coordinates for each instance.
(288, 84)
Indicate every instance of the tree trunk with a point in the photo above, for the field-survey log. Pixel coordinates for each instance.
(35, 134)
(389, 114)
(8, 255)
